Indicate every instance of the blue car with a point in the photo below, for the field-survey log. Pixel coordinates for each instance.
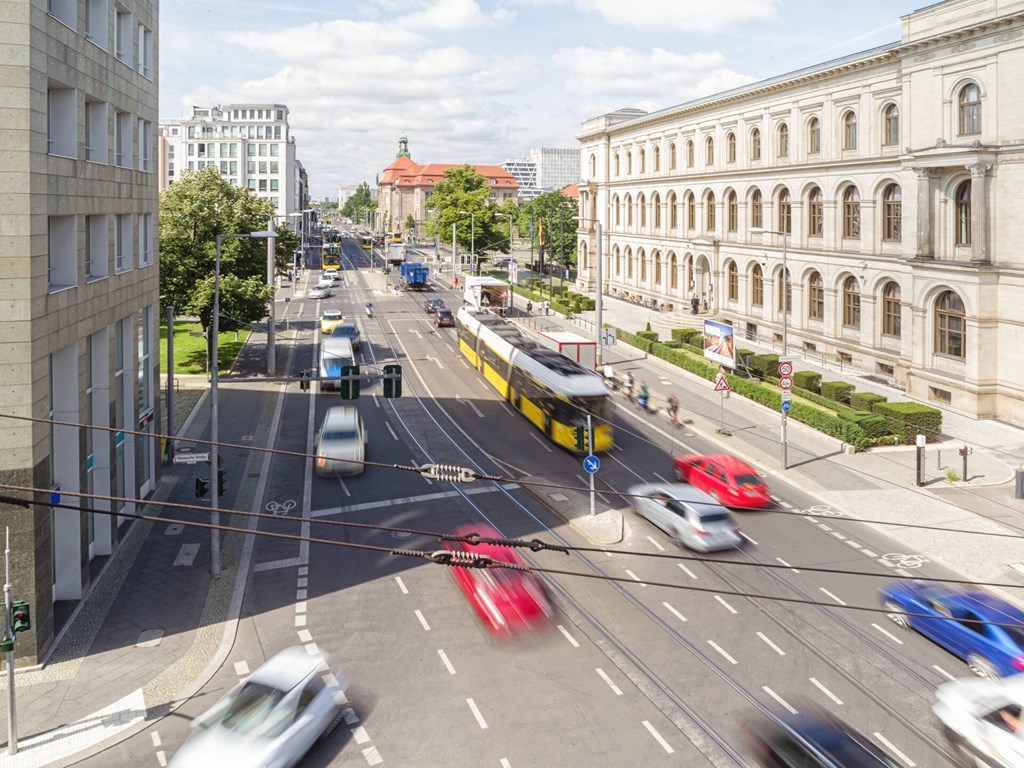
(957, 620)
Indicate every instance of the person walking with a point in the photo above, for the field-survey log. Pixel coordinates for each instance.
(673, 409)
(529, 307)
(694, 304)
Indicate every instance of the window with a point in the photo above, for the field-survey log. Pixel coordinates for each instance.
(815, 213)
(250, 150)
(641, 204)
(787, 291)
(123, 243)
(273, 185)
(851, 303)
(785, 212)
(657, 267)
(618, 261)
(783, 140)
(629, 161)
(263, 150)
(593, 166)
(755, 144)
(709, 211)
(814, 136)
(96, 131)
(970, 109)
(145, 53)
(64, 11)
(263, 185)
(673, 212)
(757, 286)
(689, 154)
(756, 209)
(963, 213)
(949, 325)
(657, 159)
(145, 239)
(709, 151)
(123, 36)
(123, 139)
(815, 297)
(146, 146)
(96, 22)
(891, 126)
(96, 249)
(618, 211)
(730, 147)
(643, 161)
(61, 120)
(734, 282)
(850, 130)
(691, 211)
(629, 264)
(891, 319)
(656, 210)
(672, 157)
(673, 272)
(616, 163)
(62, 252)
(733, 205)
(851, 213)
(629, 211)
(263, 166)
(250, 167)
(892, 212)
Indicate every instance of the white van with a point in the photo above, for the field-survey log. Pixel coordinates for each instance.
(340, 442)
(335, 352)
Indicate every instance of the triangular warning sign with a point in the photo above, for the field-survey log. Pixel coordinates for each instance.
(722, 384)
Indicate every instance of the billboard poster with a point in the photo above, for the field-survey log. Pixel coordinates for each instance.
(718, 343)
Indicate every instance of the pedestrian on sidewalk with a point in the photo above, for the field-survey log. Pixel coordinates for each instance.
(673, 409)
(694, 304)
(529, 307)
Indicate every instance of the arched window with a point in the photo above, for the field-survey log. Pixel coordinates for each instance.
(709, 211)
(891, 126)
(672, 156)
(643, 161)
(757, 286)
(657, 159)
(815, 297)
(730, 147)
(593, 166)
(785, 212)
(657, 267)
(616, 163)
(629, 264)
(641, 205)
(815, 213)
(618, 210)
(970, 109)
(891, 313)
(673, 212)
(689, 154)
(629, 163)
(851, 303)
(850, 130)
(785, 289)
(755, 144)
(950, 326)
(963, 213)
(691, 211)
(629, 210)
(709, 151)
(642, 258)
(734, 282)
(892, 212)
(733, 205)
(618, 262)
(783, 140)
(756, 209)
(814, 136)
(851, 213)
(673, 272)
(656, 210)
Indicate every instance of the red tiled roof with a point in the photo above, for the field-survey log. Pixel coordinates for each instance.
(411, 174)
(573, 190)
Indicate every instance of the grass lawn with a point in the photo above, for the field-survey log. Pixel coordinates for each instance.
(190, 351)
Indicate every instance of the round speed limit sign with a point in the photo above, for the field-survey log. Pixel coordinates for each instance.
(785, 369)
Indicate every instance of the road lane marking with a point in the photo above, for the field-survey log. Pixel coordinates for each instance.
(839, 536)
(303, 570)
(505, 763)
(888, 634)
(658, 737)
(831, 595)
(186, 555)
(476, 410)
(613, 686)
(869, 553)
(274, 565)
(748, 538)
(779, 699)
(421, 499)
(794, 570)
(300, 607)
(312, 649)
(391, 430)
(304, 636)
(719, 648)
(852, 543)
(476, 714)
(156, 738)
(892, 748)
(942, 672)
(662, 479)
(546, 446)
(174, 529)
(300, 620)
(300, 595)
(655, 543)
(728, 607)
(903, 572)
(447, 663)
(635, 578)
(360, 735)
(824, 527)
(675, 613)
(241, 668)
(570, 638)
(372, 756)
(423, 621)
(303, 581)
(771, 645)
(401, 585)
(688, 572)
(827, 692)
(344, 487)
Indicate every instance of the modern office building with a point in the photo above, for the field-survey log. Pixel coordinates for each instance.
(872, 199)
(80, 295)
(545, 170)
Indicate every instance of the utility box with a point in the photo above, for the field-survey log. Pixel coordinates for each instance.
(573, 346)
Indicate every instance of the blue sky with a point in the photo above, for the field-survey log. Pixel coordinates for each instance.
(482, 81)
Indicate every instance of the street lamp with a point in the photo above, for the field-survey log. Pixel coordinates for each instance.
(214, 429)
(785, 312)
(599, 277)
(472, 236)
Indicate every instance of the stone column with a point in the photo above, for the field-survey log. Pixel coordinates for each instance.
(925, 248)
(979, 213)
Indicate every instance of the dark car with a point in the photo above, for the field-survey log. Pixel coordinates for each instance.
(984, 631)
(815, 739)
(443, 318)
(433, 305)
(347, 331)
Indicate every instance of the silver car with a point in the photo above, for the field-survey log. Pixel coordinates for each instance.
(689, 516)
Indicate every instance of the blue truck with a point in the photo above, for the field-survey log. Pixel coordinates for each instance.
(414, 276)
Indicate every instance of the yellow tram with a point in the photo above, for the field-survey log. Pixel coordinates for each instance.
(554, 393)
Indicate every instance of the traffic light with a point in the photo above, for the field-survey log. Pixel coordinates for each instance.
(582, 439)
(221, 476)
(349, 387)
(202, 487)
(963, 451)
(21, 620)
(304, 380)
(392, 387)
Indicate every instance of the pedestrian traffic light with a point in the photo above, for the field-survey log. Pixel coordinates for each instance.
(304, 380)
(202, 487)
(582, 439)
(349, 386)
(21, 620)
(963, 451)
(392, 387)
(221, 476)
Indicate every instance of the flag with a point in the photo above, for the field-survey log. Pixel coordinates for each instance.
(540, 237)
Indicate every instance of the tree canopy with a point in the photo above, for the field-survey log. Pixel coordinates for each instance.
(553, 215)
(362, 198)
(462, 199)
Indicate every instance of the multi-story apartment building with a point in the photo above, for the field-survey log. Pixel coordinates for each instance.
(80, 295)
(884, 183)
(546, 170)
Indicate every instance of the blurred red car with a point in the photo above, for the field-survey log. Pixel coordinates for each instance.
(725, 478)
(507, 601)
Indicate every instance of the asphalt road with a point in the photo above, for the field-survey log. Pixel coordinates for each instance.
(633, 673)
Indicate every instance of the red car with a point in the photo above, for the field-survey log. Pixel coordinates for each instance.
(443, 318)
(507, 601)
(725, 478)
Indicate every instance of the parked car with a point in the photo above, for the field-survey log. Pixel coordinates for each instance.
(688, 515)
(432, 305)
(330, 318)
(443, 318)
(272, 717)
(984, 631)
(348, 331)
(724, 478)
(815, 739)
(981, 720)
(341, 442)
(320, 291)
(507, 601)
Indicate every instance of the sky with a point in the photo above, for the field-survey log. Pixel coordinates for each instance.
(483, 81)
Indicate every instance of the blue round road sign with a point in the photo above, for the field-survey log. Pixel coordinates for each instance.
(591, 464)
(786, 405)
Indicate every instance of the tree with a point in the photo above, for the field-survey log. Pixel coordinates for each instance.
(462, 199)
(557, 212)
(361, 199)
(410, 223)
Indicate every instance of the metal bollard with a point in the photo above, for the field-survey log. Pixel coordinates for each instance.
(1018, 489)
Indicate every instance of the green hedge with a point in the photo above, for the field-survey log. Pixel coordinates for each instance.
(684, 334)
(865, 401)
(837, 390)
(809, 380)
(765, 365)
(874, 426)
(910, 419)
(649, 335)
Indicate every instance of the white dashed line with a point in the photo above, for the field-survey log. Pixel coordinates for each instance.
(903, 572)
(634, 577)
(241, 668)
(312, 649)
(302, 582)
(887, 564)
(888, 634)
(658, 737)
(546, 446)
(655, 543)
(423, 621)
(831, 595)
(794, 570)
(505, 763)
(351, 718)
(476, 714)
(853, 543)
(303, 570)
(344, 487)
(728, 607)
(825, 527)
(401, 585)
(305, 636)
(156, 738)
(892, 748)
(771, 645)
(447, 663)
(839, 536)
(615, 689)
(942, 672)
(161, 758)
(826, 691)
(360, 735)
(675, 613)
(748, 538)
(300, 595)
(719, 648)
(300, 607)
(660, 478)
(779, 699)
(687, 571)
(391, 430)
(300, 620)
(372, 756)
(869, 553)
(570, 638)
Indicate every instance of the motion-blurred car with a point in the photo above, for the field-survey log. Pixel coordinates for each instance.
(814, 739)
(329, 319)
(271, 718)
(432, 305)
(443, 318)
(332, 272)
(724, 478)
(984, 631)
(507, 601)
(320, 291)
(981, 720)
(688, 515)
(341, 443)
(347, 331)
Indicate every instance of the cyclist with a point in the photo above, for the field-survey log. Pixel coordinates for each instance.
(627, 385)
(673, 409)
(644, 395)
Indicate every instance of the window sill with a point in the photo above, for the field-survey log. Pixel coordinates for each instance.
(89, 279)
(59, 288)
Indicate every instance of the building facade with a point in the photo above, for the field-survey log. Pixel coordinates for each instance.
(869, 198)
(80, 295)
(546, 170)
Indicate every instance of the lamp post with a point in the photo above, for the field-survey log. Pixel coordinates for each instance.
(472, 236)
(214, 405)
(785, 336)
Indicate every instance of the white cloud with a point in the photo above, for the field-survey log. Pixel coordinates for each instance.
(682, 15)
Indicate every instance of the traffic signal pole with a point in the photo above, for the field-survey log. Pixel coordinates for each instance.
(590, 451)
(12, 727)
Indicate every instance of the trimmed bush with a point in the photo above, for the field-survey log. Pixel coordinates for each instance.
(874, 426)
(648, 334)
(809, 380)
(697, 342)
(765, 365)
(672, 344)
(910, 419)
(865, 401)
(684, 334)
(839, 391)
